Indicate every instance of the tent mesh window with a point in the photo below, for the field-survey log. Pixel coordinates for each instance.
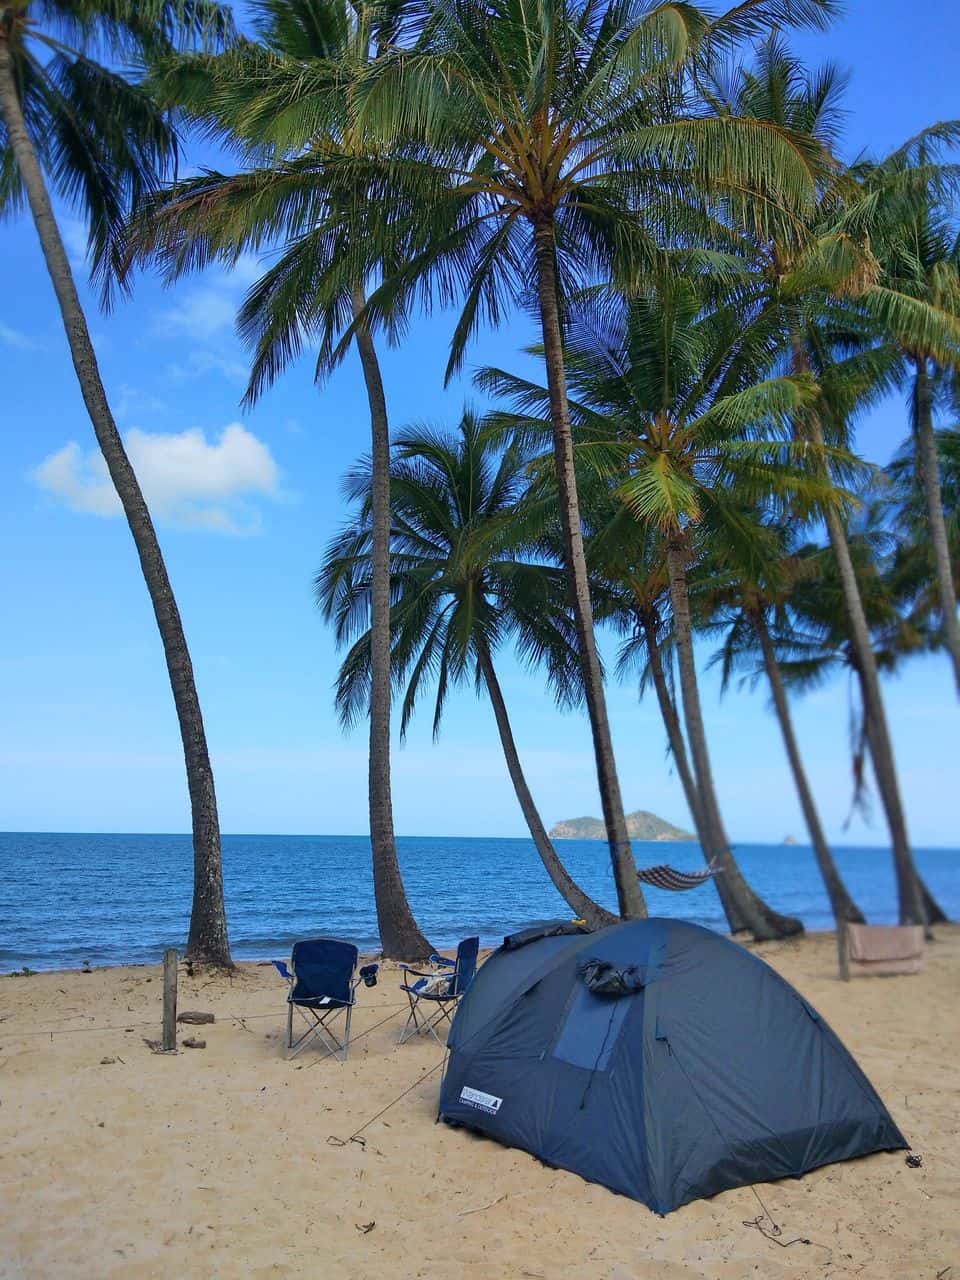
(590, 1029)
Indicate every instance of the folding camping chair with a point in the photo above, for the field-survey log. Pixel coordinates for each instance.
(439, 990)
(322, 988)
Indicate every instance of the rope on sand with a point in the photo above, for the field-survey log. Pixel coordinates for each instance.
(775, 1231)
(334, 1141)
(122, 1026)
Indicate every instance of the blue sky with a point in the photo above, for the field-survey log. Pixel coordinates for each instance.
(245, 502)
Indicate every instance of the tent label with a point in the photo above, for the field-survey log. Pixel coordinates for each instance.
(482, 1101)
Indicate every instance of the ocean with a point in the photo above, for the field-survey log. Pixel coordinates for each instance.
(121, 899)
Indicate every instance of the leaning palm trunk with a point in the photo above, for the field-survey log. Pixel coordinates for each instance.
(400, 936)
(810, 427)
(935, 914)
(207, 942)
(884, 765)
(743, 908)
(629, 895)
(845, 910)
(580, 902)
(928, 468)
(671, 720)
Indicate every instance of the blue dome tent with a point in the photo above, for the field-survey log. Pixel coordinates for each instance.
(657, 1058)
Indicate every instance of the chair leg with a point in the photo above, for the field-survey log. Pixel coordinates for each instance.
(421, 1024)
(318, 1029)
(412, 1025)
(445, 1011)
(433, 1023)
(409, 1028)
(346, 1033)
(312, 1031)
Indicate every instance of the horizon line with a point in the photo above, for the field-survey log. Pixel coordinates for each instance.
(345, 835)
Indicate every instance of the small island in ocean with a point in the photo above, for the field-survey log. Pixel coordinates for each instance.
(641, 825)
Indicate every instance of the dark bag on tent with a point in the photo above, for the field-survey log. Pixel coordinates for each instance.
(605, 979)
(543, 929)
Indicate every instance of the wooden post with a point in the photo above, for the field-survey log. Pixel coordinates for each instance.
(843, 951)
(169, 1042)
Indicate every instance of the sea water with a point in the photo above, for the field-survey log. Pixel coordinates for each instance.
(121, 899)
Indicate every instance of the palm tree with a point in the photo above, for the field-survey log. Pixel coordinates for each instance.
(817, 640)
(920, 258)
(908, 511)
(104, 146)
(750, 605)
(519, 145)
(817, 296)
(669, 403)
(460, 586)
(254, 95)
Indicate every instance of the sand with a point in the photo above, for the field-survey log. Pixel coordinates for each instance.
(216, 1162)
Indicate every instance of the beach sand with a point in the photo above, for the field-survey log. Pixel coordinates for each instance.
(216, 1162)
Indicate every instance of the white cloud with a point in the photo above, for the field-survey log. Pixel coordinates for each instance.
(17, 339)
(131, 400)
(247, 269)
(75, 240)
(186, 480)
(202, 361)
(202, 313)
(207, 310)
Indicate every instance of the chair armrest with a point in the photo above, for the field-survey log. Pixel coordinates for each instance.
(428, 984)
(435, 959)
(420, 973)
(283, 971)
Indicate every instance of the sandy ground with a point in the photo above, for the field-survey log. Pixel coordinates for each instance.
(216, 1162)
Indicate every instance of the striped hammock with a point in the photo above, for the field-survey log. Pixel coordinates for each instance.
(664, 877)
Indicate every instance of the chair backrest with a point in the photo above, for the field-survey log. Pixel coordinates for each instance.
(323, 967)
(466, 966)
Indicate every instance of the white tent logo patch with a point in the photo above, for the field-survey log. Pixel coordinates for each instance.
(482, 1101)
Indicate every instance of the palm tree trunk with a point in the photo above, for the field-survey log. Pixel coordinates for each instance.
(744, 909)
(928, 468)
(935, 914)
(400, 936)
(844, 909)
(881, 750)
(207, 941)
(671, 721)
(580, 902)
(629, 894)
(884, 765)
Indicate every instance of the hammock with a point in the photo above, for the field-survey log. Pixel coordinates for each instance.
(664, 877)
